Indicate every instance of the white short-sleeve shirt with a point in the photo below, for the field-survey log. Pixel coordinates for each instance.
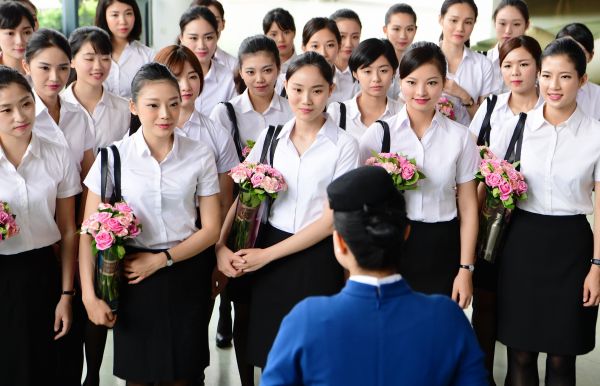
(498, 86)
(218, 87)
(219, 141)
(72, 130)
(588, 100)
(281, 78)
(286, 64)
(560, 164)
(354, 124)
(110, 119)
(162, 195)
(502, 121)
(475, 76)
(250, 122)
(333, 153)
(46, 172)
(226, 59)
(134, 56)
(394, 90)
(345, 86)
(447, 154)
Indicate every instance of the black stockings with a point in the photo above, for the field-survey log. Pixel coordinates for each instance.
(523, 371)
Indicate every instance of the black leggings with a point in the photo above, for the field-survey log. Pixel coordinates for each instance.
(523, 370)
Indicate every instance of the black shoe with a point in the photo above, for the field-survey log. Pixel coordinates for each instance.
(223, 341)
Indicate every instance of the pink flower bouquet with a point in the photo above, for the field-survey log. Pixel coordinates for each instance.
(404, 171)
(248, 148)
(257, 182)
(504, 186)
(109, 227)
(8, 225)
(446, 107)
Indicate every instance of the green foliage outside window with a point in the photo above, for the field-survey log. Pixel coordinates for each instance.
(52, 17)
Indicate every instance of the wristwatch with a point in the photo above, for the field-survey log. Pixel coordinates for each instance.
(470, 267)
(470, 103)
(169, 258)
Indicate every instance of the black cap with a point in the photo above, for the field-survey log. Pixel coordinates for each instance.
(366, 185)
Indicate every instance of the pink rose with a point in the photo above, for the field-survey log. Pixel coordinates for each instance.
(104, 240)
(238, 175)
(123, 207)
(270, 185)
(408, 171)
(102, 217)
(104, 205)
(257, 179)
(125, 220)
(134, 230)
(505, 188)
(260, 168)
(371, 161)
(390, 168)
(4, 217)
(90, 226)
(522, 187)
(493, 180)
(114, 225)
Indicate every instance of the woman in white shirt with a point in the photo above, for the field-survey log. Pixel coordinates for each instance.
(494, 124)
(16, 27)
(168, 279)
(441, 248)
(373, 65)
(469, 73)
(588, 96)
(199, 31)
(122, 20)
(549, 272)
(39, 182)
(294, 256)
(511, 19)
(350, 28)
(278, 24)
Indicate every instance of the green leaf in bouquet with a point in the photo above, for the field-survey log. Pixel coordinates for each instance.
(120, 251)
(94, 249)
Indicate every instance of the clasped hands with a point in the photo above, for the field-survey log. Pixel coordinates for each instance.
(243, 261)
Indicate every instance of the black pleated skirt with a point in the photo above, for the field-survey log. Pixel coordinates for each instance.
(280, 285)
(540, 285)
(431, 258)
(161, 330)
(29, 293)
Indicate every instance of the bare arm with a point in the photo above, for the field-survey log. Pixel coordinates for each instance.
(226, 194)
(591, 285)
(65, 219)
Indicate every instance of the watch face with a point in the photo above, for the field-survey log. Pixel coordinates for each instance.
(169, 262)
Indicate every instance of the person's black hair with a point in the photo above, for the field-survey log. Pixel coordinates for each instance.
(97, 37)
(12, 14)
(282, 18)
(208, 3)
(101, 22)
(317, 24)
(253, 45)
(449, 3)
(9, 75)
(311, 58)
(569, 48)
(527, 42)
(152, 72)
(370, 50)
(421, 53)
(195, 13)
(399, 8)
(580, 33)
(345, 13)
(46, 38)
(375, 235)
(520, 5)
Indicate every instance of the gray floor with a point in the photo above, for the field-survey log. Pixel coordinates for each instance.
(223, 370)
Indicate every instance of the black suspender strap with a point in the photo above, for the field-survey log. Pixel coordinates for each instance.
(235, 130)
(116, 195)
(270, 144)
(116, 174)
(513, 153)
(283, 93)
(385, 143)
(103, 173)
(484, 132)
(342, 115)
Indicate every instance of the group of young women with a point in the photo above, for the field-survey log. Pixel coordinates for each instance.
(180, 119)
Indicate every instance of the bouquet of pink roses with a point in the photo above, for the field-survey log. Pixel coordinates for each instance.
(248, 148)
(109, 227)
(257, 182)
(446, 107)
(504, 186)
(8, 225)
(404, 171)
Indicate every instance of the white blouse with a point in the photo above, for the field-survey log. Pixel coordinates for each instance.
(226, 59)
(218, 87)
(46, 172)
(202, 129)
(446, 154)
(162, 195)
(560, 164)
(475, 76)
(134, 56)
(345, 86)
(286, 64)
(354, 124)
(110, 119)
(72, 129)
(502, 122)
(394, 90)
(498, 86)
(250, 122)
(588, 100)
(333, 153)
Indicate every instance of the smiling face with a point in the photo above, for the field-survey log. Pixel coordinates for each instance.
(457, 24)
(509, 24)
(325, 43)
(189, 85)
(158, 105)
(91, 67)
(519, 71)
(308, 92)
(422, 88)
(200, 37)
(259, 73)
(284, 40)
(376, 78)
(400, 31)
(49, 70)
(350, 31)
(120, 19)
(559, 82)
(14, 41)
(17, 111)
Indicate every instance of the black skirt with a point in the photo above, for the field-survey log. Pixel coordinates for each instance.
(161, 330)
(431, 257)
(280, 285)
(540, 285)
(29, 293)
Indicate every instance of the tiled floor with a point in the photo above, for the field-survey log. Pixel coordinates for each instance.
(223, 370)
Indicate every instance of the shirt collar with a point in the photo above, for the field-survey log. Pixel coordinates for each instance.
(33, 147)
(391, 107)
(536, 120)
(375, 281)
(213, 73)
(345, 72)
(246, 103)
(329, 129)
(69, 96)
(437, 121)
(143, 150)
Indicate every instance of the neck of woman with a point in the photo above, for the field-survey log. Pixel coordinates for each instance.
(185, 114)
(159, 146)
(206, 67)
(11, 62)
(371, 105)
(118, 46)
(308, 129)
(557, 116)
(260, 103)
(452, 51)
(341, 64)
(87, 95)
(523, 102)
(14, 147)
(420, 121)
(285, 58)
(53, 106)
